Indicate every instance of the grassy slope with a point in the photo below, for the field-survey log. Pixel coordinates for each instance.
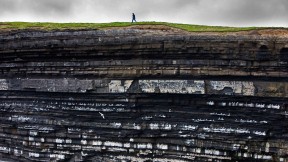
(61, 26)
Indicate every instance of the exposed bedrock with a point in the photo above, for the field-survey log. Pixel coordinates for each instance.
(142, 95)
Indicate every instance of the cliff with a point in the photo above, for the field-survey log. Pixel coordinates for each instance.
(143, 94)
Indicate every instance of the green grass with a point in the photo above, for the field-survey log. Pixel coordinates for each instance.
(63, 26)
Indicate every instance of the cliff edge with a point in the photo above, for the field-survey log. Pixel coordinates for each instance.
(143, 93)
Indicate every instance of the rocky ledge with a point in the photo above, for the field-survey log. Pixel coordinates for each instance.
(143, 94)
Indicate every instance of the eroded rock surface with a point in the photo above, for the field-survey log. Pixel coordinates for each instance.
(143, 95)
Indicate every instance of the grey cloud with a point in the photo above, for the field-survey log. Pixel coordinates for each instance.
(36, 7)
(51, 6)
(249, 11)
(210, 12)
(6, 6)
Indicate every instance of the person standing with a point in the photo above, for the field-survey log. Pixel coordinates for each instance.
(133, 18)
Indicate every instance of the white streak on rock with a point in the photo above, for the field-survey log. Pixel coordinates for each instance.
(162, 146)
(59, 140)
(57, 156)
(113, 144)
(173, 86)
(97, 143)
(260, 133)
(238, 87)
(32, 154)
(102, 115)
(210, 103)
(3, 84)
(115, 86)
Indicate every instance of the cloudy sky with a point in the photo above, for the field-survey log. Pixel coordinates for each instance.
(208, 12)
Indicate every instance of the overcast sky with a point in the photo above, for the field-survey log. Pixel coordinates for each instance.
(207, 12)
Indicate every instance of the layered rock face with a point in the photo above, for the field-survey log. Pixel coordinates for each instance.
(142, 95)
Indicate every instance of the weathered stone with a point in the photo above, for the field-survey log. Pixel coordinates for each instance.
(142, 95)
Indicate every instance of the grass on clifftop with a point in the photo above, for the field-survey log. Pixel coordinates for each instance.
(62, 26)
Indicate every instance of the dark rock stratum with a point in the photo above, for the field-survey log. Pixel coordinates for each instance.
(143, 95)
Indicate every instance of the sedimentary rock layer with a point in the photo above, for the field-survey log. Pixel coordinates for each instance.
(142, 95)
